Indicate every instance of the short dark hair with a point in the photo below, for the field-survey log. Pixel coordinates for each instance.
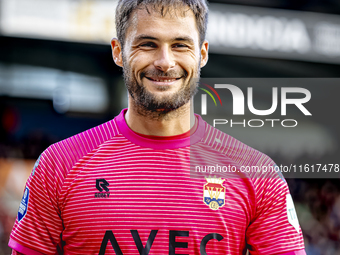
(126, 7)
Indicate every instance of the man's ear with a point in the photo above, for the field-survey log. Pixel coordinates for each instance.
(204, 53)
(117, 52)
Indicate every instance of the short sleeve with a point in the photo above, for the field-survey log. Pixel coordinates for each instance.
(38, 226)
(275, 227)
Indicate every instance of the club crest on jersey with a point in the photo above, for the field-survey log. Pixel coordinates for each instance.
(214, 193)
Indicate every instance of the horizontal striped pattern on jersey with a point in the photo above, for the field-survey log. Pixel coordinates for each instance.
(110, 191)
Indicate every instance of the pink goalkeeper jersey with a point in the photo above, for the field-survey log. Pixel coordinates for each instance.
(110, 191)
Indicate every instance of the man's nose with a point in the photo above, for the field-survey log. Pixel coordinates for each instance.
(164, 60)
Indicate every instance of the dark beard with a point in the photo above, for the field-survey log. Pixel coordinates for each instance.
(148, 104)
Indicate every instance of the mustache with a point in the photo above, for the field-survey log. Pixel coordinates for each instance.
(168, 74)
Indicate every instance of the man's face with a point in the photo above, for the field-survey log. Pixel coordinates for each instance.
(161, 58)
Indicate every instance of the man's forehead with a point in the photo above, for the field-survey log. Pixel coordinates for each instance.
(169, 11)
(181, 17)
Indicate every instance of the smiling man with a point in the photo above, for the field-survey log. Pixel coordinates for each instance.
(161, 54)
(129, 186)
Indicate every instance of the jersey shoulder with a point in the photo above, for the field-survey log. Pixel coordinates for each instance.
(62, 156)
(236, 150)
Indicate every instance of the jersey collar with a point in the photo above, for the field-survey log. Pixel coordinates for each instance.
(159, 144)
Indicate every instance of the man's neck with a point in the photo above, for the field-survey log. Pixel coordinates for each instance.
(172, 123)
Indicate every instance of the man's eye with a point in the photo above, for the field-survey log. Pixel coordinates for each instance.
(180, 45)
(148, 44)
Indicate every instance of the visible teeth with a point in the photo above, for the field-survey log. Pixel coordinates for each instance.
(164, 80)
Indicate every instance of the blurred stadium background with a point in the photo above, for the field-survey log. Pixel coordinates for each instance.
(57, 78)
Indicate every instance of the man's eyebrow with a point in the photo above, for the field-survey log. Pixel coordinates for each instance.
(144, 37)
(148, 37)
(185, 39)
